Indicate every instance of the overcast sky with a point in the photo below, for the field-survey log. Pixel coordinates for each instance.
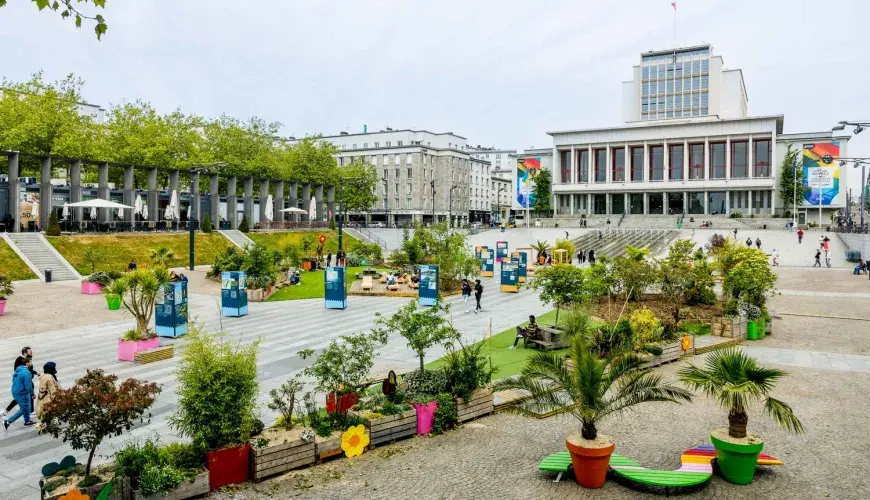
(500, 73)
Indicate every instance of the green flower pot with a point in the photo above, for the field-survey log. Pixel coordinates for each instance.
(114, 302)
(737, 462)
(752, 330)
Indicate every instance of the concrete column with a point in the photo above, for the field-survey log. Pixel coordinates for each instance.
(44, 193)
(589, 204)
(153, 203)
(608, 164)
(14, 202)
(196, 213)
(666, 206)
(646, 203)
(572, 169)
(214, 197)
(279, 201)
(749, 194)
(330, 201)
(173, 182)
(685, 160)
(727, 202)
(264, 195)
(571, 203)
(608, 203)
(685, 202)
(750, 164)
(249, 201)
(727, 158)
(706, 202)
(666, 176)
(103, 190)
(306, 201)
(294, 199)
(75, 189)
(232, 203)
(318, 196)
(773, 201)
(706, 158)
(646, 162)
(129, 194)
(626, 203)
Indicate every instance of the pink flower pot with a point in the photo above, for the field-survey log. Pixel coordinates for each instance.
(425, 416)
(91, 288)
(127, 349)
(2, 306)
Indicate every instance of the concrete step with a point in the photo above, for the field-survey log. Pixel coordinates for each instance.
(237, 237)
(40, 256)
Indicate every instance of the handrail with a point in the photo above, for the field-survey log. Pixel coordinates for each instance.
(367, 234)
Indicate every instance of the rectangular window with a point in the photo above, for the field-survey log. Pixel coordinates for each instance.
(398, 159)
(377, 144)
(740, 159)
(618, 165)
(408, 203)
(637, 164)
(600, 165)
(761, 158)
(409, 159)
(397, 173)
(354, 146)
(657, 163)
(409, 173)
(409, 188)
(565, 160)
(696, 161)
(675, 162)
(583, 166)
(399, 143)
(388, 143)
(717, 160)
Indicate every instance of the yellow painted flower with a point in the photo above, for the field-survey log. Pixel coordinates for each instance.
(74, 494)
(354, 440)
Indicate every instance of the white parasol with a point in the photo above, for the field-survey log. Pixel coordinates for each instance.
(294, 210)
(137, 206)
(312, 211)
(120, 213)
(93, 212)
(222, 211)
(270, 208)
(172, 211)
(98, 203)
(65, 213)
(145, 211)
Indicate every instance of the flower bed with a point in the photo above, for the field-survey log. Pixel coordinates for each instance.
(286, 450)
(196, 487)
(671, 351)
(385, 429)
(481, 403)
(61, 484)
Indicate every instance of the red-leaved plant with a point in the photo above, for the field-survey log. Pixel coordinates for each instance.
(96, 408)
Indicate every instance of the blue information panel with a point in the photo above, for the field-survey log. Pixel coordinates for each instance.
(487, 262)
(335, 293)
(234, 293)
(170, 310)
(520, 259)
(501, 250)
(509, 277)
(428, 290)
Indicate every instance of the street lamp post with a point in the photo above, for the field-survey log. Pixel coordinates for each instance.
(432, 184)
(194, 176)
(450, 208)
(386, 193)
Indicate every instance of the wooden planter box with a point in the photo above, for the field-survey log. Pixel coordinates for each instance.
(270, 460)
(670, 352)
(187, 489)
(481, 403)
(91, 491)
(331, 446)
(728, 327)
(390, 428)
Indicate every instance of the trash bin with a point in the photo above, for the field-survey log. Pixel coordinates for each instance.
(764, 226)
(47, 274)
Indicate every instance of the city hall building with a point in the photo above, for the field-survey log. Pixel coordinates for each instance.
(687, 146)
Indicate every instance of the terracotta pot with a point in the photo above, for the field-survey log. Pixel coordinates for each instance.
(590, 464)
(228, 466)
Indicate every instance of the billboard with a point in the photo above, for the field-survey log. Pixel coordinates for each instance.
(524, 182)
(821, 174)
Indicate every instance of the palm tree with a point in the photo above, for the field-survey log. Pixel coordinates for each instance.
(138, 290)
(540, 247)
(736, 381)
(589, 388)
(162, 256)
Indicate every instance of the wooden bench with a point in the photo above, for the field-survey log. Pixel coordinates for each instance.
(367, 283)
(549, 338)
(156, 354)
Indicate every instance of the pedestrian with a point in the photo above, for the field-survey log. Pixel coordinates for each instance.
(735, 234)
(182, 277)
(749, 242)
(591, 257)
(822, 241)
(26, 353)
(608, 221)
(22, 391)
(580, 257)
(599, 235)
(329, 259)
(827, 258)
(775, 256)
(826, 244)
(818, 257)
(758, 243)
(800, 234)
(478, 293)
(132, 265)
(566, 235)
(48, 387)
(466, 293)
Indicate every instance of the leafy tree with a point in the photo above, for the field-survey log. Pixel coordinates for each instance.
(92, 256)
(421, 328)
(344, 366)
(243, 226)
(53, 228)
(96, 408)
(68, 9)
(564, 244)
(675, 276)
(751, 278)
(633, 272)
(790, 178)
(561, 285)
(162, 256)
(359, 193)
(283, 400)
(543, 189)
(206, 224)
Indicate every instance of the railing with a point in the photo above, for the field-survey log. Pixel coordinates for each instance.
(266, 225)
(368, 235)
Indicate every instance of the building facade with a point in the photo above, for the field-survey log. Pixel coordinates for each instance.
(500, 198)
(480, 203)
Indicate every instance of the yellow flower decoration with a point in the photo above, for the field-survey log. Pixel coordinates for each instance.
(74, 494)
(353, 441)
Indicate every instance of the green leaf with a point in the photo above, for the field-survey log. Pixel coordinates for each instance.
(64, 14)
(2, 3)
(78, 21)
(55, 6)
(41, 4)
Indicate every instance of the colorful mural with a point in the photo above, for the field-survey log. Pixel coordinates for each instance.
(524, 182)
(821, 174)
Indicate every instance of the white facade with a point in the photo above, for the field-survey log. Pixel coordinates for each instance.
(98, 113)
(479, 189)
(500, 189)
(498, 158)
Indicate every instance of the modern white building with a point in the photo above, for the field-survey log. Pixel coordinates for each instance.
(479, 209)
(500, 198)
(498, 158)
(673, 156)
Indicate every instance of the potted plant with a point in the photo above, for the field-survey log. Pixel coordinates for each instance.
(422, 329)
(170, 472)
(736, 382)
(113, 294)
(754, 320)
(589, 389)
(387, 417)
(287, 445)
(6, 289)
(138, 292)
(219, 421)
(94, 409)
(468, 376)
(95, 283)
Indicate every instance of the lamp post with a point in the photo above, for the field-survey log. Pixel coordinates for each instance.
(386, 192)
(859, 127)
(450, 208)
(432, 184)
(498, 201)
(194, 177)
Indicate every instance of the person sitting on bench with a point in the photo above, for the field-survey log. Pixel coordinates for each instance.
(530, 331)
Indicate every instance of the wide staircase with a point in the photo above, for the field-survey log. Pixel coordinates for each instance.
(42, 256)
(237, 237)
(613, 242)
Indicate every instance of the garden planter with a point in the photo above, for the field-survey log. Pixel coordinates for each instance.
(728, 327)
(425, 416)
(281, 456)
(113, 302)
(737, 462)
(2, 306)
(671, 351)
(345, 402)
(127, 349)
(187, 489)
(590, 464)
(228, 466)
(752, 331)
(306, 265)
(479, 404)
(762, 328)
(91, 288)
(385, 429)
(325, 447)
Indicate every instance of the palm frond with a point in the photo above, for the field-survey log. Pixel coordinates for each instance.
(783, 415)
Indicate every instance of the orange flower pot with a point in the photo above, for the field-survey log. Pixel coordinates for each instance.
(590, 464)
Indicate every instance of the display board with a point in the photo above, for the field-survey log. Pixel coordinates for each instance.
(821, 175)
(427, 292)
(519, 258)
(524, 183)
(336, 292)
(487, 262)
(501, 250)
(234, 293)
(170, 310)
(509, 277)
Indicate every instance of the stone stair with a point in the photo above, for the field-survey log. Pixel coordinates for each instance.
(237, 238)
(39, 255)
(613, 243)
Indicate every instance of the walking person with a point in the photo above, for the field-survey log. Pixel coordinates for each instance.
(329, 259)
(758, 243)
(818, 257)
(48, 387)
(22, 391)
(26, 353)
(566, 235)
(775, 257)
(735, 234)
(478, 293)
(591, 257)
(800, 234)
(827, 258)
(749, 242)
(466, 293)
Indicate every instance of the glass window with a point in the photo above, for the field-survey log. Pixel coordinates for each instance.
(583, 166)
(696, 67)
(354, 146)
(716, 202)
(599, 204)
(696, 203)
(600, 165)
(618, 165)
(675, 203)
(409, 173)
(705, 82)
(705, 66)
(565, 160)
(696, 161)
(705, 99)
(635, 201)
(388, 143)
(399, 143)
(657, 163)
(617, 203)
(409, 159)
(645, 72)
(670, 85)
(739, 159)
(409, 188)
(397, 173)
(675, 163)
(637, 164)
(656, 203)
(398, 159)
(717, 160)
(696, 101)
(761, 158)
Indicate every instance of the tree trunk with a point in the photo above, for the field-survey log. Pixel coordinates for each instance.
(420, 354)
(90, 458)
(589, 431)
(737, 423)
(556, 322)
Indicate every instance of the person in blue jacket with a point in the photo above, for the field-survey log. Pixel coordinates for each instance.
(22, 391)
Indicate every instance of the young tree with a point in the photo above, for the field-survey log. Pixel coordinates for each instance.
(359, 190)
(243, 226)
(675, 275)
(344, 366)
(53, 228)
(791, 178)
(95, 408)
(543, 189)
(162, 256)
(421, 328)
(206, 224)
(138, 290)
(634, 272)
(561, 285)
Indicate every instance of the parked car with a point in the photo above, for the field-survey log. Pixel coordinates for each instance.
(377, 225)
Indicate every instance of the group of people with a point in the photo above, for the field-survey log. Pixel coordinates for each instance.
(27, 396)
(340, 258)
(466, 294)
(824, 246)
(583, 256)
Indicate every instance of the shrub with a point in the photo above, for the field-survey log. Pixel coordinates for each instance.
(751, 278)
(344, 366)
(422, 386)
(566, 245)
(466, 370)
(100, 278)
(445, 413)
(53, 228)
(260, 261)
(213, 418)
(700, 290)
(159, 478)
(716, 241)
(736, 215)
(354, 259)
(332, 224)
(633, 273)
(205, 227)
(283, 400)
(162, 256)
(422, 329)
(243, 226)
(230, 259)
(645, 327)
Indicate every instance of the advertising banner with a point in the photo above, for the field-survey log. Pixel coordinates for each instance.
(170, 310)
(427, 293)
(335, 292)
(234, 293)
(510, 277)
(821, 174)
(524, 182)
(501, 250)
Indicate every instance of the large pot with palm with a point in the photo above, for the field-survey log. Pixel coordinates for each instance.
(589, 388)
(137, 291)
(736, 382)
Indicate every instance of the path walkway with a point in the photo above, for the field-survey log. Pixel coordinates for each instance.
(810, 359)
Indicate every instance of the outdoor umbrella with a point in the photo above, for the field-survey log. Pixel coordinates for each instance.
(294, 210)
(120, 213)
(65, 213)
(137, 206)
(93, 212)
(312, 211)
(98, 203)
(270, 208)
(145, 212)
(223, 212)
(172, 209)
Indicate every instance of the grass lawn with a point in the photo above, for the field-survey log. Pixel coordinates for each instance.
(696, 327)
(508, 362)
(12, 266)
(271, 240)
(312, 286)
(116, 250)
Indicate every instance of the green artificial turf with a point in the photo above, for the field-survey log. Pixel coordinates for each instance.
(696, 327)
(312, 285)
